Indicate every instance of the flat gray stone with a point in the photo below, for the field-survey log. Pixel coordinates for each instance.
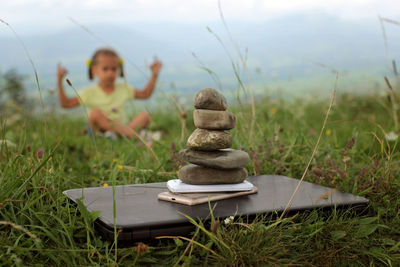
(207, 140)
(221, 159)
(194, 174)
(209, 98)
(213, 119)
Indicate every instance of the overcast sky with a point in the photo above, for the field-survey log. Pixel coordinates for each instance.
(41, 16)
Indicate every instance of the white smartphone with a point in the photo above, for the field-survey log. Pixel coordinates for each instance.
(177, 186)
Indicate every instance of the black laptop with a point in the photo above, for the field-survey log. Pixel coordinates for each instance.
(141, 216)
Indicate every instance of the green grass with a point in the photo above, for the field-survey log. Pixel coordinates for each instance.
(37, 227)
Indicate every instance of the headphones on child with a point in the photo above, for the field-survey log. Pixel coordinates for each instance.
(89, 64)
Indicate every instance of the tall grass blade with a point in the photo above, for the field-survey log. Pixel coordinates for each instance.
(314, 151)
(85, 110)
(243, 61)
(394, 104)
(394, 68)
(385, 40)
(86, 29)
(19, 227)
(33, 67)
(214, 238)
(38, 168)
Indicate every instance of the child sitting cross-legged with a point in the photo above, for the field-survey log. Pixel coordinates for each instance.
(105, 101)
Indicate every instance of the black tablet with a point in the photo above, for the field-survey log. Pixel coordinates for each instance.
(141, 216)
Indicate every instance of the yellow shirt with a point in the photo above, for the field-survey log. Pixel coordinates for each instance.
(112, 105)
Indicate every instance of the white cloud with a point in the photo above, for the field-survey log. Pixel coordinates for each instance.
(41, 15)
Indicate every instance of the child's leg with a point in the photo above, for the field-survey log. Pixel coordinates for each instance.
(97, 120)
(140, 121)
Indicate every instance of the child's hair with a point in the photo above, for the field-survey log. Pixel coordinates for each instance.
(104, 51)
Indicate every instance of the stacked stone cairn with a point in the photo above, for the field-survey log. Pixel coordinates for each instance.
(208, 147)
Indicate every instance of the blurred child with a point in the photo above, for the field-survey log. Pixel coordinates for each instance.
(105, 101)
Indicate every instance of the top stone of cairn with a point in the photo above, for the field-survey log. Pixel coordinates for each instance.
(211, 99)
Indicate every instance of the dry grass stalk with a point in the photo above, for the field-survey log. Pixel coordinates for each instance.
(189, 245)
(388, 151)
(385, 41)
(394, 68)
(384, 134)
(253, 104)
(390, 21)
(19, 227)
(326, 195)
(84, 107)
(147, 146)
(182, 116)
(314, 151)
(130, 168)
(189, 240)
(394, 105)
(332, 69)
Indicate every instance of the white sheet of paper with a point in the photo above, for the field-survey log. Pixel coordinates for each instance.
(177, 186)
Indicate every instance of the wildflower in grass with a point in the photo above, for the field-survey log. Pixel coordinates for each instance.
(328, 132)
(391, 136)
(350, 144)
(273, 111)
(346, 159)
(120, 167)
(228, 220)
(105, 185)
(149, 143)
(141, 248)
(51, 170)
(115, 160)
(311, 132)
(39, 153)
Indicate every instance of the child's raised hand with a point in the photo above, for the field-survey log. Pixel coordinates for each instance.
(156, 66)
(61, 72)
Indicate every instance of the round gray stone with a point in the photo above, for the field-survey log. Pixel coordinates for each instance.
(209, 98)
(213, 119)
(194, 174)
(207, 140)
(220, 159)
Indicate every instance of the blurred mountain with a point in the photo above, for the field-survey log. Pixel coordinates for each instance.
(284, 49)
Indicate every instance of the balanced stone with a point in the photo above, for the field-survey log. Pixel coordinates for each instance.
(220, 159)
(209, 98)
(208, 140)
(194, 174)
(213, 119)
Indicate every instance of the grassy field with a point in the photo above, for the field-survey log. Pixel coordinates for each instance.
(355, 155)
